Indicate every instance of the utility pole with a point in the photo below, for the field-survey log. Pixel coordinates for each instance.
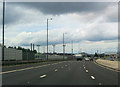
(38, 47)
(43, 49)
(31, 46)
(63, 47)
(3, 30)
(47, 39)
(53, 48)
(72, 48)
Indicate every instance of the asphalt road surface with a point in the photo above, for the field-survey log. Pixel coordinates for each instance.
(59, 73)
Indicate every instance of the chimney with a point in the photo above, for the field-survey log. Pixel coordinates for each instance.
(31, 46)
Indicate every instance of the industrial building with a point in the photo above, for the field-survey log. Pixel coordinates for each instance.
(15, 54)
(21, 54)
(10, 54)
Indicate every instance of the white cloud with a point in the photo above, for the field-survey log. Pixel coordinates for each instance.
(80, 27)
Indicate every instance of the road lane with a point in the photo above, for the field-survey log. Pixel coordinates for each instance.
(22, 77)
(64, 73)
(103, 75)
(22, 66)
(75, 76)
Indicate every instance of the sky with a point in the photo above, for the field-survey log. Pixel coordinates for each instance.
(91, 26)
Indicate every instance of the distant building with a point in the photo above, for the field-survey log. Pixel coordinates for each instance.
(112, 54)
(11, 54)
(40, 56)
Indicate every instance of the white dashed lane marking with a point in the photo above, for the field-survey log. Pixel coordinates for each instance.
(86, 71)
(56, 70)
(42, 76)
(28, 82)
(100, 83)
(92, 77)
(65, 65)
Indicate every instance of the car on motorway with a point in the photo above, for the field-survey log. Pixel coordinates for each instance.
(91, 59)
(87, 59)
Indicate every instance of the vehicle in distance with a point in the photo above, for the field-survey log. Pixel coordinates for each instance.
(87, 59)
(91, 59)
(79, 57)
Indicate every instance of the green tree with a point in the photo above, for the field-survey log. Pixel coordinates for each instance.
(96, 55)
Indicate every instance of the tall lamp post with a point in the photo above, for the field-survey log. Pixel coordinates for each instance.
(43, 49)
(63, 47)
(54, 48)
(72, 48)
(3, 30)
(47, 36)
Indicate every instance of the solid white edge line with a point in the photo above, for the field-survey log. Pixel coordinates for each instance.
(25, 69)
(56, 70)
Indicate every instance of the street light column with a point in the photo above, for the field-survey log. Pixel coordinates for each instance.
(38, 48)
(47, 39)
(53, 48)
(63, 47)
(3, 30)
(72, 48)
(43, 49)
(47, 36)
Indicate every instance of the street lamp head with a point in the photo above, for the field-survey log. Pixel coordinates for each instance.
(50, 18)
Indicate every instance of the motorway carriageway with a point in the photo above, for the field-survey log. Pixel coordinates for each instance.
(59, 73)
